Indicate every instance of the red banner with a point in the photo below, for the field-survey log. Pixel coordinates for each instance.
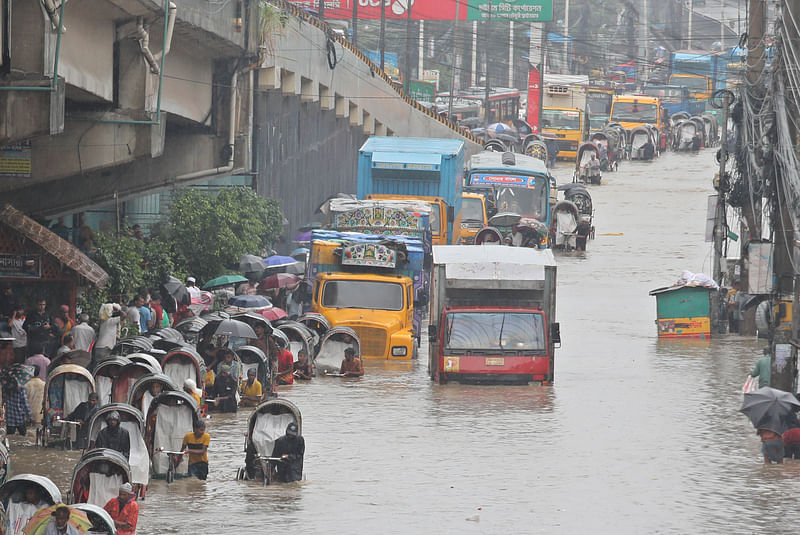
(395, 9)
(534, 93)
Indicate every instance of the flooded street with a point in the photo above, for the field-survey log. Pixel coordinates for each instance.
(635, 436)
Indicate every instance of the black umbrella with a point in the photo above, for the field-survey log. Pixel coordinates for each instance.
(251, 264)
(234, 328)
(769, 408)
(174, 288)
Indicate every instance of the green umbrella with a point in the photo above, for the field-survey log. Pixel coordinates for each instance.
(224, 280)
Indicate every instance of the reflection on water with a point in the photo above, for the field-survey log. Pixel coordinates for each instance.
(636, 436)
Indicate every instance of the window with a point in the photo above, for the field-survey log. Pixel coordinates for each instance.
(362, 294)
(498, 331)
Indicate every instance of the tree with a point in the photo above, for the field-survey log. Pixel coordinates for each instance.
(209, 232)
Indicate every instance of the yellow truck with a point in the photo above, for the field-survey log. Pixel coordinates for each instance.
(473, 217)
(632, 111)
(439, 214)
(366, 283)
(564, 107)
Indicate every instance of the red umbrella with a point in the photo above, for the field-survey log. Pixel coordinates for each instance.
(273, 313)
(280, 280)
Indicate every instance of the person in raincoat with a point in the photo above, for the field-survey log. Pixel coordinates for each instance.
(113, 436)
(291, 448)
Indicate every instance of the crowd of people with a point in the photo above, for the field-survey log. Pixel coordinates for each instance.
(46, 336)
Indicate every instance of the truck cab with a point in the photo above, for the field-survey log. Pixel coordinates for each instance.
(632, 111)
(492, 315)
(379, 308)
(473, 216)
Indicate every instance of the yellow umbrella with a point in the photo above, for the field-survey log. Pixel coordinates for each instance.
(38, 523)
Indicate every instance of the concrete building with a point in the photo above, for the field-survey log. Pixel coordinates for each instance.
(107, 104)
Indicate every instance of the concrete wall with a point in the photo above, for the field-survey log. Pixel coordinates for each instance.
(300, 66)
(188, 78)
(305, 155)
(87, 48)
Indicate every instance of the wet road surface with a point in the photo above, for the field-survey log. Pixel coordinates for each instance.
(635, 436)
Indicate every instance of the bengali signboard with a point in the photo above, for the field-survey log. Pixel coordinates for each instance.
(422, 91)
(20, 266)
(15, 160)
(516, 10)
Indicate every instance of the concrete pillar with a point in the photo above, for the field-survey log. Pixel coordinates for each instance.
(289, 83)
(356, 114)
(269, 78)
(326, 100)
(369, 123)
(342, 106)
(309, 91)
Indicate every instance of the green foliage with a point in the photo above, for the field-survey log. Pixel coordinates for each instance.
(209, 232)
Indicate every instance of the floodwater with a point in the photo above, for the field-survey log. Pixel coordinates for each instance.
(635, 436)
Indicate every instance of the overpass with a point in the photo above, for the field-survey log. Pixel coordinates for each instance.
(110, 100)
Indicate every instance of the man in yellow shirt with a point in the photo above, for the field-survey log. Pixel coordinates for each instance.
(252, 391)
(196, 444)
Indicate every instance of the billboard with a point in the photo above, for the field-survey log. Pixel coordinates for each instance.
(534, 95)
(516, 10)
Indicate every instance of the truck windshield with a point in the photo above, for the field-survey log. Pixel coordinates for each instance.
(634, 112)
(696, 84)
(435, 218)
(362, 294)
(561, 119)
(471, 210)
(670, 95)
(497, 331)
(599, 103)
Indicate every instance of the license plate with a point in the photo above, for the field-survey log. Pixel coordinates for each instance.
(495, 361)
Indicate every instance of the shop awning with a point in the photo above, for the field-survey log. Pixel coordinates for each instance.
(65, 252)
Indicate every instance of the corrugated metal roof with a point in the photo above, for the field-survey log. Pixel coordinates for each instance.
(64, 251)
(498, 254)
(494, 160)
(420, 145)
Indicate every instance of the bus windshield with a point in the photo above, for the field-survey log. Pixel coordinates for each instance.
(561, 119)
(634, 112)
(599, 103)
(498, 331)
(472, 210)
(523, 195)
(362, 294)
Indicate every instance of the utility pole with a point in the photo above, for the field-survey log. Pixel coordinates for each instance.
(722, 24)
(720, 227)
(383, 35)
(407, 74)
(322, 9)
(453, 65)
(421, 50)
(511, 53)
(355, 24)
(474, 75)
(566, 39)
(751, 211)
(783, 365)
(645, 46)
(488, 41)
(691, 16)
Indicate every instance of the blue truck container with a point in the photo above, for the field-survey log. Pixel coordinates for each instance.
(414, 167)
(675, 98)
